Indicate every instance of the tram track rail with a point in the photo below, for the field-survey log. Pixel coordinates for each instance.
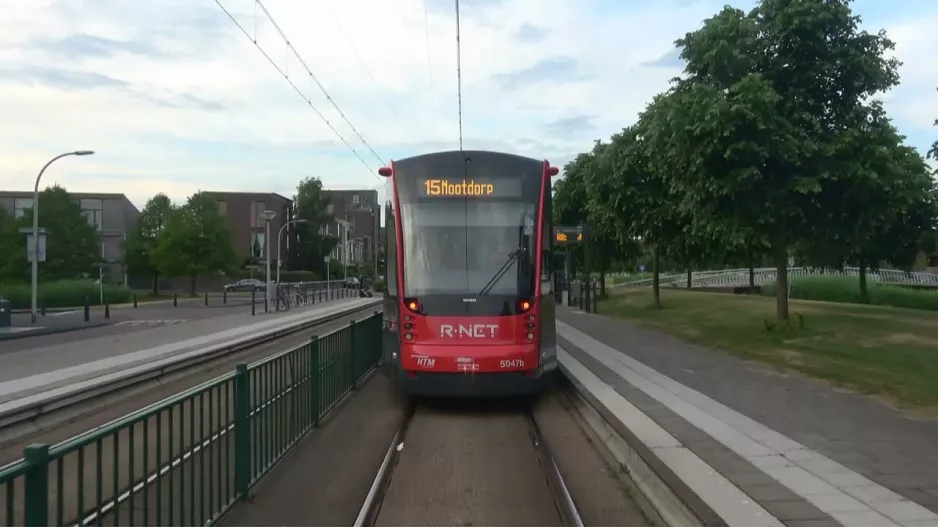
(566, 508)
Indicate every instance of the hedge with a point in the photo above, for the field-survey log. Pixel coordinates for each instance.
(846, 289)
(64, 293)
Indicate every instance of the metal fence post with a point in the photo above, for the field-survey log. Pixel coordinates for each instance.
(354, 354)
(36, 486)
(375, 339)
(315, 379)
(242, 431)
(595, 296)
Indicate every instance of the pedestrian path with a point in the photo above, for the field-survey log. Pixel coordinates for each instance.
(40, 370)
(765, 448)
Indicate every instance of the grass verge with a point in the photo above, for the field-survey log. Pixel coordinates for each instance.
(846, 289)
(885, 352)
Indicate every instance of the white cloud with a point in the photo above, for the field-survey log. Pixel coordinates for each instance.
(176, 98)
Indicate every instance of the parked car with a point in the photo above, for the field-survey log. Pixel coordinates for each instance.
(246, 284)
(351, 282)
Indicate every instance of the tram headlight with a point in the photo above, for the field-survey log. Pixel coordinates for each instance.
(408, 336)
(530, 336)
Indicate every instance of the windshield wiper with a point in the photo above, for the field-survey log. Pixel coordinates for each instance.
(502, 270)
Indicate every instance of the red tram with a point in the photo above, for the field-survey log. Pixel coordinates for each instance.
(468, 307)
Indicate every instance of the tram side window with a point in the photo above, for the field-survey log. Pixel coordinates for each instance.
(390, 254)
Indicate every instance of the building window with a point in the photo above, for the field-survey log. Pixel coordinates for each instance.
(223, 207)
(257, 245)
(355, 199)
(20, 205)
(257, 213)
(93, 210)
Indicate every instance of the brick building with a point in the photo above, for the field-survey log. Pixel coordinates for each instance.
(244, 212)
(357, 219)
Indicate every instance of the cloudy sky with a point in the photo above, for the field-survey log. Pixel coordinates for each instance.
(174, 97)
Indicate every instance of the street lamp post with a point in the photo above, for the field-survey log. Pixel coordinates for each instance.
(268, 215)
(35, 266)
(279, 237)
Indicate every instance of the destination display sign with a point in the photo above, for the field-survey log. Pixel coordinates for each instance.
(569, 234)
(470, 188)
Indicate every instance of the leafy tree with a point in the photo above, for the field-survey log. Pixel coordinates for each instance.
(634, 199)
(195, 241)
(881, 203)
(933, 152)
(11, 252)
(568, 205)
(763, 96)
(141, 244)
(311, 204)
(73, 245)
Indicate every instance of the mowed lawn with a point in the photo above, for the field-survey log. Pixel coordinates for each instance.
(888, 353)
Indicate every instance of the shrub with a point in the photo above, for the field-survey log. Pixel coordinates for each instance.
(846, 289)
(378, 286)
(64, 293)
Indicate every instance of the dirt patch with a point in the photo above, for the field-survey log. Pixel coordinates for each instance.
(910, 338)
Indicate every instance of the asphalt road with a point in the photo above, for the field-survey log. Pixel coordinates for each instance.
(69, 326)
(187, 424)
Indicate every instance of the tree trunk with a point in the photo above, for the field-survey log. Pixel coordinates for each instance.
(156, 284)
(602, 283)
(780, 250)
(752, 270)
(690, 276)
(655, 277)
(192, 280)
(864, 287)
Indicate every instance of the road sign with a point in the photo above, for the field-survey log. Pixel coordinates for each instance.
(327, 259)
(641, 268)
(30, 244)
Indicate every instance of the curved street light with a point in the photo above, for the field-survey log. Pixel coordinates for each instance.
(279, 237)
(267, 215)
(35, 265)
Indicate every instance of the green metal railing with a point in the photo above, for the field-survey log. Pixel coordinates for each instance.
(187, 459)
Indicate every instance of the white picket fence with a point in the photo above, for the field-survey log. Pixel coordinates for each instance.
(767, 275)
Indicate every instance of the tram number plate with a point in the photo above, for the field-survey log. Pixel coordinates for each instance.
(511, 363)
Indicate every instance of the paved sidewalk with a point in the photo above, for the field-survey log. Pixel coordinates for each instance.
(807, 453)
(32, 370)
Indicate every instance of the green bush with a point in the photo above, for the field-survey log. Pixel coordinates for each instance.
(846, 289)
(378, 286)
(64, 293)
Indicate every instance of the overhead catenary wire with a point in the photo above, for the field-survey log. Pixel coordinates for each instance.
(299, 91)
(374, 80)
(426, 34)
(459, 74)
(313, 76)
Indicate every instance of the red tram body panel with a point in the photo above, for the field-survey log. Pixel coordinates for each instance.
(468, 306)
